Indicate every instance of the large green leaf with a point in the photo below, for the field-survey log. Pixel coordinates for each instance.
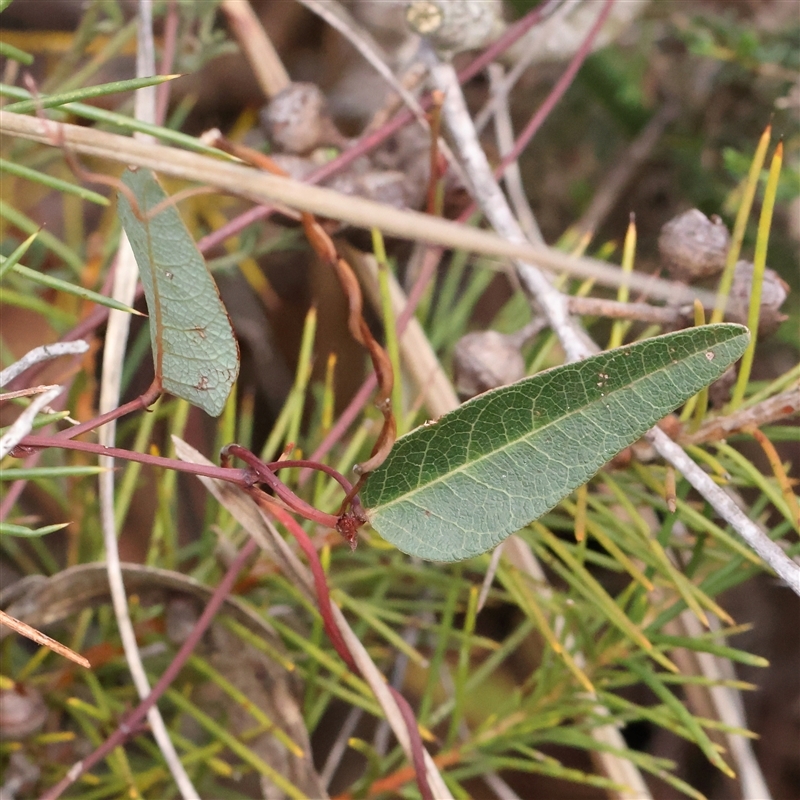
(457, 487)
(194, 349)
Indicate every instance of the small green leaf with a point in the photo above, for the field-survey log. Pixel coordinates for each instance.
(9, 51)
(21, 171)
(457, 487)
(69, 288)
(37, 473)
(8, 529)
(7, 263)
(87, 92)
(194, 348)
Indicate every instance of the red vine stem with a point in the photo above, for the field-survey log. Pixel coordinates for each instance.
(557, 91)
(326, 250)
(335, 635)
(347, 417)
(130, 724)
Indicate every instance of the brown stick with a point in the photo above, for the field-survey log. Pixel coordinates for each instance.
(780, 406)
(40, 638)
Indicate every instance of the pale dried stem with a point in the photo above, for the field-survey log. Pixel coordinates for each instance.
(357, 211)
(24, 422)
(126, 276)
(556, 17)
(721, 702)
(520, 556)
(719, 500)
(505, 141)
(29, 392)
(37, 636)
(258, 49)
(43, 353)
(614, 309)
(493, 203)
(241, 507)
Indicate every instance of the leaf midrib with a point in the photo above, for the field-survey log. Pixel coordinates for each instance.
(463, 467)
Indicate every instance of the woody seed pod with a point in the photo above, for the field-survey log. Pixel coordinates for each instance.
(453, 26)
(774, 292)
(693, 247)
(22, 712)
(485, 360)
(297, 120)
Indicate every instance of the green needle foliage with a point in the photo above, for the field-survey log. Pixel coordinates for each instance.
(588, 636)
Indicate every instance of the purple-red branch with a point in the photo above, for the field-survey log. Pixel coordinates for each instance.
(130, 724)
(557, 92)
(335, 635)
(265, 472)
(242, 477)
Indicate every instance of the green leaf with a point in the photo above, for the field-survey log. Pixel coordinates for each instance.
(37, 473)
(7, 263)
(21, 171)
(9, 51)
(88, 92)
(194, 349)
(8, 529)
(69, 288)
(457, 487)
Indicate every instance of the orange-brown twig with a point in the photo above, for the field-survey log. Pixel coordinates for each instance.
(326, 250)
(40, 638)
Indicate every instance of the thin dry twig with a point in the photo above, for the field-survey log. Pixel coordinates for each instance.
(561, 86)
(615, 309)
(493, 203)
(126, 276)
(22, 425)
(558, 10)
(264, 60)
(168, 49)
(31, 633)
(505, 141)
(45, 352)
(718, 499)
(779, 406)
(723, 702)
(29, 392)
(357, 211)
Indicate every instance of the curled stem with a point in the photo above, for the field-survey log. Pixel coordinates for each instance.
(347, 522)
(326, 250)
